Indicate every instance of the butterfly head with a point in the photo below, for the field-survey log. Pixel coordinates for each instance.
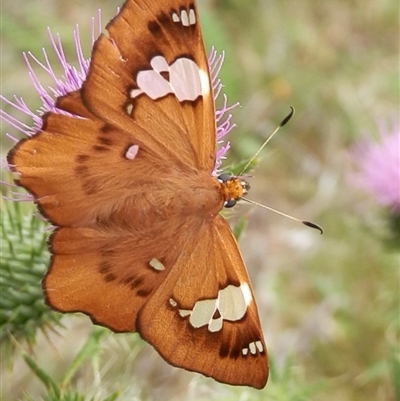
(233, 188)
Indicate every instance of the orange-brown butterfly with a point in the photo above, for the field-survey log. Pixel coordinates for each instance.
(125, 176)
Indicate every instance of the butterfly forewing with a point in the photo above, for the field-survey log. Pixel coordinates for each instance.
(80, 175)
(151, 75)
(125, 176)
(203, 316)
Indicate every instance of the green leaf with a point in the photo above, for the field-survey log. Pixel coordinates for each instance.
(48, 382)
(23, 262)
(90, 348)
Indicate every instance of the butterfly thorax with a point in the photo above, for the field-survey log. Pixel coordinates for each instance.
(169, 199)
(232, 188)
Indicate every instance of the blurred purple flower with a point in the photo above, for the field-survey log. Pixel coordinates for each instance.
(378, 166)
(72, 79)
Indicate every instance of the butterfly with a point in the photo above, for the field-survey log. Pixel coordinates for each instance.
(124, 172)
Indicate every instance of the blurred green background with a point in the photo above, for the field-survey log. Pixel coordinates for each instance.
(329, 305)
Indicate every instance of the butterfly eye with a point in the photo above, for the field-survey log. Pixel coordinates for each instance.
(224, 177)
(245, 185)
(230, 203)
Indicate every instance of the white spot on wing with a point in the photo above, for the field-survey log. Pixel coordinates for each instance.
(215, 324)
(192, 17)
(154, 263)
(173, 303)
(135, 92)
(184, 18)
(131, 154)
(204, 83)
(129, 109)
(185, 79)
(252, 347)
(203, 312)
(232, 305)
(246, 293)
(245, 351)
(175, 17)
(184, 312)
(259, 346)
(153, 84)
(159, 64)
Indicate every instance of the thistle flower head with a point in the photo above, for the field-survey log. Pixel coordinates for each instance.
(72, 78)
(378, 166)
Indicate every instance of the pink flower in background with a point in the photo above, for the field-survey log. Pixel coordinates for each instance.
(378, 165)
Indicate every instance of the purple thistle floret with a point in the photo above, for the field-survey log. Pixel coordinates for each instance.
(378, 166)
(73, 78)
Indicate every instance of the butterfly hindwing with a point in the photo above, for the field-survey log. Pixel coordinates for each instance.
(106, 273)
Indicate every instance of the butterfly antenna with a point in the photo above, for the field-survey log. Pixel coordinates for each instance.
(284, 122)
(305, 222)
